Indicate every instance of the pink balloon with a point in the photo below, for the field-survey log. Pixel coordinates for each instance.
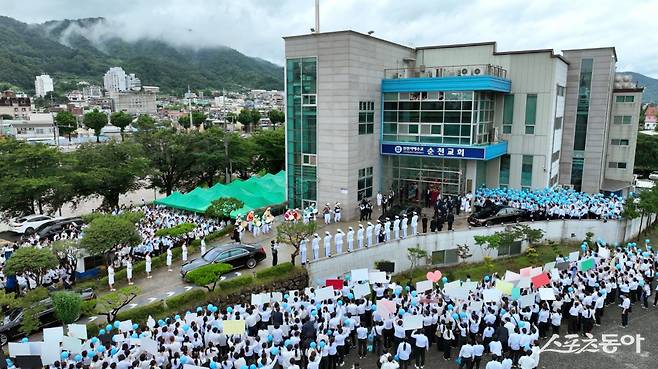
(434, 276)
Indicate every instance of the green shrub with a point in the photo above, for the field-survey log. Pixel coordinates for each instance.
(238, 282)
(88, 308)
(194, 296)
(207, 274)
(275, 271)
(67, 306)
(176, 231)
(141, 313)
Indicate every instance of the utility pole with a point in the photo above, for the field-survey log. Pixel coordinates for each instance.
(317, 16)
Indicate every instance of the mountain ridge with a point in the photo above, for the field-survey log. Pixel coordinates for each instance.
(74, 50)
(650, 86)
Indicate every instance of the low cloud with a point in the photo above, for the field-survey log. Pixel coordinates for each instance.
(255, 27)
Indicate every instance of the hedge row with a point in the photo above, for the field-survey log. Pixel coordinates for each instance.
(176, 231)
(199, 297)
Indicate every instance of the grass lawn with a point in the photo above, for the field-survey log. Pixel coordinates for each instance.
(545, 254)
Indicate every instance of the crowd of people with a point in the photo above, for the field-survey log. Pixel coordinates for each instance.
(154, 219)
(310, 330)
(553, 203)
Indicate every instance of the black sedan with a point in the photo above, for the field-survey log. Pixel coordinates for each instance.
(236, 254)
(12, 318)
(400, 210)
(497, 214)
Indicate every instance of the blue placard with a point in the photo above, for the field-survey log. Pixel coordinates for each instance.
(439, 151)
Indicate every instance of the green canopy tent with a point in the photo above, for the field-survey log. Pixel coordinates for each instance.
(256, 192)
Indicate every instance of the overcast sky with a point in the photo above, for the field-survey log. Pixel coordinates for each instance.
(255, 27)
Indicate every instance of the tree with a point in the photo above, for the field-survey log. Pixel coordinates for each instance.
(67, 251)
(122, 120)
(111, 303)
(415, 255)
(107, 232)
(6, 117)
(67, 306)
(646, 152)
(198, 117)
(222, 207)
(95, 120)
(33, 177)
(648, 203)
(208, 274)
(270, 149)
(109, 170)
(249, 118)
(276, 116)
(293, 234)
(66, 123)
(171, 157)
(32, 305)
(145, 123)
(209, 156)
(32, 259)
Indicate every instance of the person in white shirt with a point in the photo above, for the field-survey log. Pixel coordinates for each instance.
(169, 256)
(496, 348)
(422, 345)
(494, 364)
(466, 355)
(110, 277)
(526, 361)
(389, 363)
(147, 267)
(403, 353)
(626, 307)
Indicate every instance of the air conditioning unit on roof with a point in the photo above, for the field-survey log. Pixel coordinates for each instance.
(476, 71)
(464, 72)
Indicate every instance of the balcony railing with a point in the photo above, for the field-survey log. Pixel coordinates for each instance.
(446, 71)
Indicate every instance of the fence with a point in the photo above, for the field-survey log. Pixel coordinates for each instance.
(396, 251)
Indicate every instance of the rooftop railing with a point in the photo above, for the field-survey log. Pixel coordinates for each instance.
(446, 71)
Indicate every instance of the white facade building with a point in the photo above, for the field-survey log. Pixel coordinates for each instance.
(43, 84)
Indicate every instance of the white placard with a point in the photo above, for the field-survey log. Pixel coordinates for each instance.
(524, 282)
(546, 294)
(50, 352)
(19, 349)
(451, 285)
(53, 335)
(78, 331)
(555, 274)
(476, 305)
(257, 299)
(325, 293)
(358, 275)
(536, 271)
(492, 295)
(470, 286)
(361, 290)
(410, 322)
(423, 286)
(377, 277)
(512, 276)
(35, 348)
(549, 266)
(527, 300)
(71, 344)
(149, 345)
(127, 325)
(459, 293)
(573, 256)
(604, 253)
(277, 297)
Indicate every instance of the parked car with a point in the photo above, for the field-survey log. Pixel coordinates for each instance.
(400, 210)
(653, 176)
(236, 254)
(29, 223)
(51, 228)
(11, 323)
(497, 214)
